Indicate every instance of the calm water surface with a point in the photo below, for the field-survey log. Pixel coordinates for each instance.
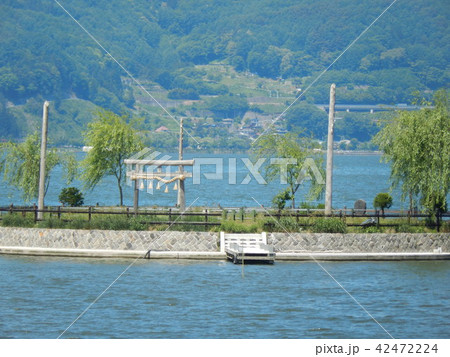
(355, 177)
(40, 297)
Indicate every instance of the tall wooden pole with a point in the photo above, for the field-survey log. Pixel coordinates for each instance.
(181, 199)
(40, 214)
(136, 196)
(329, 179)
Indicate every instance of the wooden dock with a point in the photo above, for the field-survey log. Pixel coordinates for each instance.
(247, 248)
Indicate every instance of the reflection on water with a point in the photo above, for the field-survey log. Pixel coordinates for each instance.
(210, 299)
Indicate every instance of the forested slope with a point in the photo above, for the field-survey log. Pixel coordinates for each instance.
(45, 54)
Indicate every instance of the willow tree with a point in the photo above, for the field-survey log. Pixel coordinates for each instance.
(292, 160)
(20, 164)
(113, 140)
(417, 145)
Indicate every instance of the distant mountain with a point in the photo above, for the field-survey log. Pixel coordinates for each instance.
(45, 54)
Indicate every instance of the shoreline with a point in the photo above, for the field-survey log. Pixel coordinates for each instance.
(207, 245)
(183, 255)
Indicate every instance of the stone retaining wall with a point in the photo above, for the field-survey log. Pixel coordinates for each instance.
(209, 241)
(115, 240)
(360, 243)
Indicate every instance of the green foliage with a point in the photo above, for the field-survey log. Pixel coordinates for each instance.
(308, 205)
(51, 223)
(113, 140)
(16, 220)
(227, 106)
(309, 119)
(179, 93)
(417, 144)
(329, 225)
(279, 201)
(406, 228)
(45, 54)
(294, 163)
(20, 164)
(109, 222)
(372, 229)
(382, 200)
(71, 196)
(288, 224)
(79, 223)
(237, 227)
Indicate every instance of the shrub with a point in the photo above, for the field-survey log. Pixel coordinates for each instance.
(180, 93)
(236, 227)
(371, 229)
(269, 225)
(71, 196)
(79, 223)
(224, 214)
(406, 228)
(288, 224)
(308, 205)
(445, 227)
(136, 224)
(329, 225)
(279, 201)
(16, 220)
(382, 200)
(51, 223)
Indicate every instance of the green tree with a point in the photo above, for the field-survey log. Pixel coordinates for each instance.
(382, 200)
(71, 196)
(20, 164)
(279, 201)
(227, 106)
(112, 140)
(417, 145)
(293, 161)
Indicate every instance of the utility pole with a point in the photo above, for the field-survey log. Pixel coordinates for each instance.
(136, 196)
(40, 214)
(181, 199)
(329, 179)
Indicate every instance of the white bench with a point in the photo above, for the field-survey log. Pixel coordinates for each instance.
(250, 247)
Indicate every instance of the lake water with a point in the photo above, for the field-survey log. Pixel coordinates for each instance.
(355, 177)
(40, 297)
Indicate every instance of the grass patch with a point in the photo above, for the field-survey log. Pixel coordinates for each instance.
(16, 220)
(329, 225)
(239, 227)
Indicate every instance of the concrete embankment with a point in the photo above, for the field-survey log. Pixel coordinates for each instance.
(206, 245)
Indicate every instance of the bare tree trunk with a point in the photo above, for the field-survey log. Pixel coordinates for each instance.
(120, 193)
(293, 198)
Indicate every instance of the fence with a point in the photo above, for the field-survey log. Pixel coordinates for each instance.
(209, 217)
(173, 217)
(373, 217)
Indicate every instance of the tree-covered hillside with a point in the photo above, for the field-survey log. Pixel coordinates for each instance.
(45, 54)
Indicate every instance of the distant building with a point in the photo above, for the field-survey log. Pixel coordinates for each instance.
(227, 122)
(161, 129)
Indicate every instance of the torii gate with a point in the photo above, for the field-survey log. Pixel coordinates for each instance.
(139, 173)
